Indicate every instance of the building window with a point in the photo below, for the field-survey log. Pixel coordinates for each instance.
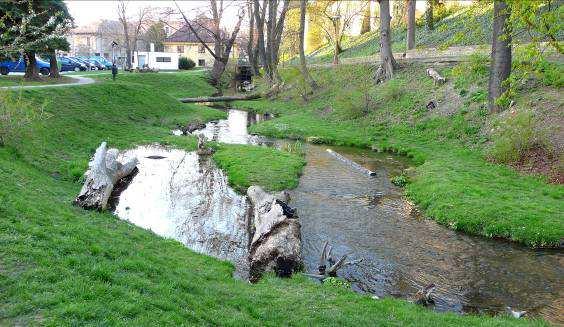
(180, 49)
(167, 30)
(163, 59)
(201, 49)
(201, 62)
(88, 40)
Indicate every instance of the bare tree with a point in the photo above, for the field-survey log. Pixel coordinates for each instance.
(388, 63)
(501, 55)
(269, 33)
(124, 20)
(303, 65)
(222, 45)
(410, 24)
(252, 49)
(336, 18)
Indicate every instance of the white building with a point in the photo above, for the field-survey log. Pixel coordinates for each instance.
(152, 59)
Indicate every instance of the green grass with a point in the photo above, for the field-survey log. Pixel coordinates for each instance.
(470, 25)
(61, 265)
(453, 183)
(248, 165)
(184, 84)
(15, 80)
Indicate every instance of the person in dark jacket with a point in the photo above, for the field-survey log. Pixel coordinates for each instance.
(114, 71)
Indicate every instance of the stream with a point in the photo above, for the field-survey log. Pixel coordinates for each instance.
(179, 195)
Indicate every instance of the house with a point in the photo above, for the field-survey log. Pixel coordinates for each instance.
(152, 59)
(185, 43)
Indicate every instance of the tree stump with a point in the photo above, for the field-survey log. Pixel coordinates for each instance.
(104, 171)
(276, 242)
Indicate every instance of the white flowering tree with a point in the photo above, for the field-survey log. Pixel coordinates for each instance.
(29, 27)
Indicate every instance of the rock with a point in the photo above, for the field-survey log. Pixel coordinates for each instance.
(191, 127)
(276, 241)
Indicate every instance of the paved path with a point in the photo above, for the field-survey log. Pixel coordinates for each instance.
(80, 80)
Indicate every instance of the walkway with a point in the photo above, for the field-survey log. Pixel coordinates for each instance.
(80, 80)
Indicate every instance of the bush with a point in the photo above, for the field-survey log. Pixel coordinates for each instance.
(513, 136)
(16, 117)
(186, 63)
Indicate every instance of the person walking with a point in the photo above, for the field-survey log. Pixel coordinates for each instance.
(114, 70)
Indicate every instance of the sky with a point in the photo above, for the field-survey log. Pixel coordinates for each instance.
(88, 12)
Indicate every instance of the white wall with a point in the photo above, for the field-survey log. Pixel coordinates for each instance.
(150, 58)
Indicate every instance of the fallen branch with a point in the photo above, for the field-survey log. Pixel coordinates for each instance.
(437, 78)
(221, 98)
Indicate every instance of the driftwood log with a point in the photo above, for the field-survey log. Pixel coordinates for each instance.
(221, 98)
(328, 267)
(104, 170)
(352, 163)
(276, 241)
(437, 78)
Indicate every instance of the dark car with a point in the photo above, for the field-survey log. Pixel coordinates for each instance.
(19, 66)
(81, 60)
(68, 64)
(96, 63)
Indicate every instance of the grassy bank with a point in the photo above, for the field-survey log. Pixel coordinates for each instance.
(61, 265)
(453, 183)
(17, 80)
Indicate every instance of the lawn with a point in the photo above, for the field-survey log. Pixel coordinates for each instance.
(61, 265)
(453, 183)
(16, 80)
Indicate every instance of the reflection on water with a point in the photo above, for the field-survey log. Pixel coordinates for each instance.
(369, 218)
(185, 197)
(234, 129)
(188, 199)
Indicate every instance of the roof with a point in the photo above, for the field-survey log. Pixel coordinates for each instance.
(185, 34)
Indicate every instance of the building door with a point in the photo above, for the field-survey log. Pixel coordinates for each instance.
(142, 59)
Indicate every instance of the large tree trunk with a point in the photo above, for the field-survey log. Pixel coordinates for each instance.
(388, 63)
(303, 65)
(410, 24)
(252, 50)
(276, 242)
(104, 170)
(31, 72)
(500, 68)
(429, 15)
(53, 68)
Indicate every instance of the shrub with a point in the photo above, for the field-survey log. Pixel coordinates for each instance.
(513, 136)
(400, 180)
(186, 63)
(16, 117)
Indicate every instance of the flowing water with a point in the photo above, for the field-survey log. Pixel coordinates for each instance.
(187, 198)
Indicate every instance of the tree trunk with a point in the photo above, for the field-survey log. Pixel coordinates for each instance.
(365, 27)
(220, 98)
(276, 241)
(337, 52)
(31, 72)
(410, 24)
(388, 63)
(53, 68)
(303, 65)
(217, 70)
(251, 48)
(500, 68)
(104, 170)
(429, 15)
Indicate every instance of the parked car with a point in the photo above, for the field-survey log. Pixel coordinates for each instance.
(68, 64)
(89, 66)
(98, 65)
(19, 66)
(103, 61)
